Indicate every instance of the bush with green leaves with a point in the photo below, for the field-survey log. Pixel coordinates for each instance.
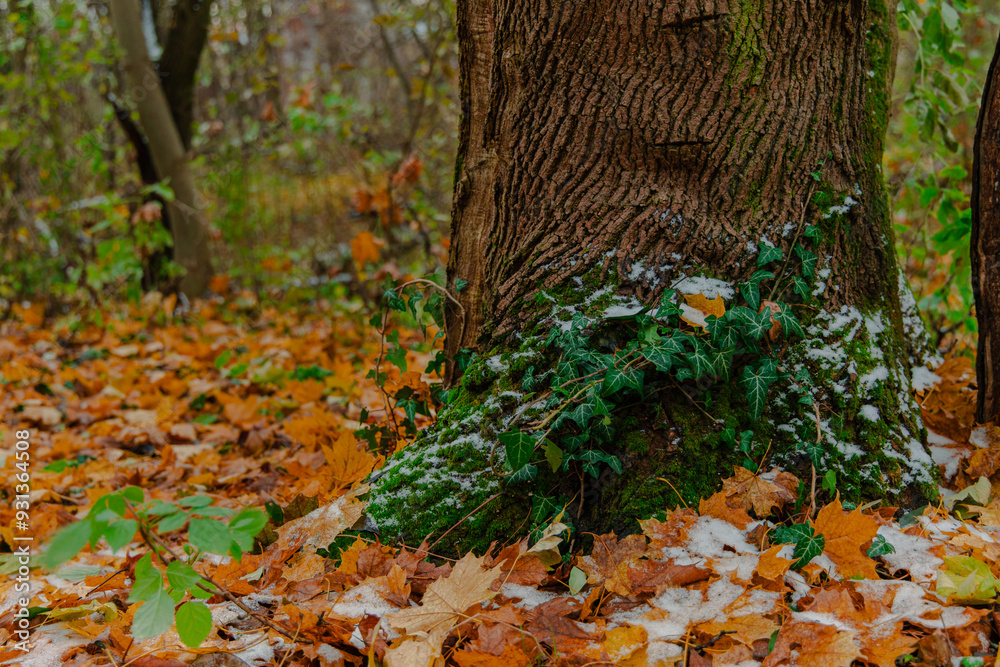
(117, 516)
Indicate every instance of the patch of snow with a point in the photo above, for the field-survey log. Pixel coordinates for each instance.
(924, 378)
(711, 288)
(869, 412)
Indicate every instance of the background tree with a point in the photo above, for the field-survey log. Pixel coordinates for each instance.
(985, 247)
(190, 237)
(610, 152)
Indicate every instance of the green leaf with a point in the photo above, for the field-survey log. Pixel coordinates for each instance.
(789, 323)
(519, 447)
(699, 360)
(148, 581)
(768, 253)
(133, 494)
(660, 357)
(194, 622)
(171, 522)
(250, 521)
(154, 617)
(223, 359)
(119, 533)
(210, 535)
(161, 509)
(553, 454)
(808, 545)
(880, 547)
(616, 379)
(195, 501)
(524, 474)
(751, 292)
(577, 580)
(182, 576)
(754, 324)
(757, 380)
(67, 543)
(808, 261)
(801, 287)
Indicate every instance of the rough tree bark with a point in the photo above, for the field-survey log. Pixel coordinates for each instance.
(985, 246)
(187, 227)
(611, 150)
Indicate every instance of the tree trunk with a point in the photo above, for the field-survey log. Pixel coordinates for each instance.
(985, 246)
(188, 229)
(179, 63)
(611, 151)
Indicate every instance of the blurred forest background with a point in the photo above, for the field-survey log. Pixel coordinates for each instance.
(323, 144)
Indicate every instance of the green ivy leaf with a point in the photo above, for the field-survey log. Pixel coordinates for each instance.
(768, 253)
(519, 447)
(880, 547)
(154, 617)
(789, 323)
(699, 360)
(757, 380)
(808, 261)
(616, 379)
(524, 474)
(801, 287)
(808, 545)
(659, 357)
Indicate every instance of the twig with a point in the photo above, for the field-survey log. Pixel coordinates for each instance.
(795, 239)
(485, 502)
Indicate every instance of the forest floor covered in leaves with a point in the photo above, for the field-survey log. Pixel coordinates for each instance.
(256, 407)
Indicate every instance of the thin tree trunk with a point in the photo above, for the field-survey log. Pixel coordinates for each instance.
(189, 234)
(985, 246)
(179, 63)
(612, 150)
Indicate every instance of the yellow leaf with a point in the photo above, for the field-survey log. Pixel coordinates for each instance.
(349, 459)
(697, 308)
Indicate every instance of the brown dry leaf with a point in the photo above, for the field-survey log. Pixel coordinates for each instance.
(846, 534)
(813, 645)
(519, 567)
(318, 528)
(748, 490)
(610, 561)
(446, 600)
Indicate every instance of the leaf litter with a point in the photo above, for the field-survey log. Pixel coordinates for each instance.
(261, 411)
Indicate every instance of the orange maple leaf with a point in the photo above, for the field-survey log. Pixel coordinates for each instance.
(846, 535)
